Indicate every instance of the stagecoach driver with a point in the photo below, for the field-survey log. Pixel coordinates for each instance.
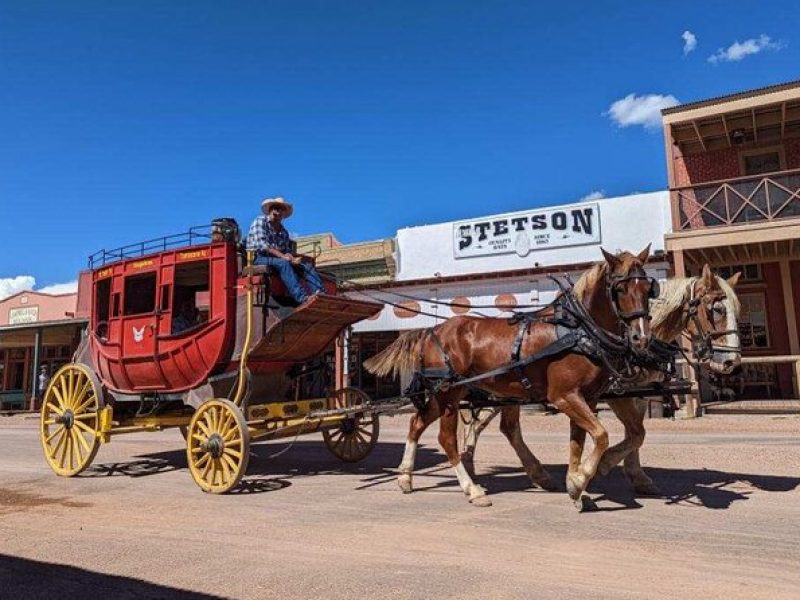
(270, 241)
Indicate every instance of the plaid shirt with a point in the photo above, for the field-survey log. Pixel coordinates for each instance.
(263, 234)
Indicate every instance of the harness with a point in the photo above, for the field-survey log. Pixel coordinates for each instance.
(575, 331)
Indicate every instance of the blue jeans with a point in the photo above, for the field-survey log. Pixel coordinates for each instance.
(289, 275)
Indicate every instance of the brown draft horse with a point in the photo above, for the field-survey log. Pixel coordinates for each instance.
(615, 293)
(703, 309)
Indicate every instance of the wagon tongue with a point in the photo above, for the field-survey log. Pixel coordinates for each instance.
(306, 332)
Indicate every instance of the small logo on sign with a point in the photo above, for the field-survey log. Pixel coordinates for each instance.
(138, 334)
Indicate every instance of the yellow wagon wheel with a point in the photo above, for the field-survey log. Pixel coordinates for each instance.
(69, 420)
(355, 437)
(218, 446)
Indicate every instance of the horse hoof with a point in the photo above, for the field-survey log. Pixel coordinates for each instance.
(482, 501)
(585, 504)
(575, 486)
(404, 481)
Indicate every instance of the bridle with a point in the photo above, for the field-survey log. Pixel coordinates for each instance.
(703, 342)
(615, 282)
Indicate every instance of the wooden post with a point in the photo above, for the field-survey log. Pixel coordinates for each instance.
(34, 375)
(338, 359)
(791, 320)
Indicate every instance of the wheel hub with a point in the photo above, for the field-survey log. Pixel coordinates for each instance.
(214, 445)
(348, 426)
(67, 419)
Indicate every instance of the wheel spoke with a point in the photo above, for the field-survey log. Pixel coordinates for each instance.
(59, 429)
(84, 427)
(200, 438)
(202, 460)
(85, 416)
(80, 395)
(82, 408)
(76, 446)
(59, 397)
(203, 427)
(204, 474)
(232, 452)
(226, 470)
(83, 441)
(50, 422)
(56, 409)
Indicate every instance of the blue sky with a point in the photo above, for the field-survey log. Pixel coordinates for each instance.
(126, 121)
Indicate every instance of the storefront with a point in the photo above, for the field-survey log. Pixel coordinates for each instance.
(36, 330)
(491, 265)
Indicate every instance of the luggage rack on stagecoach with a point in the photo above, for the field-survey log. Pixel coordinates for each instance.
(199, 234)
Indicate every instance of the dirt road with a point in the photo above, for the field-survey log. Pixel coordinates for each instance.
(306, 526)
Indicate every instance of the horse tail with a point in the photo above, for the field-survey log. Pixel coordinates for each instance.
(399, 357)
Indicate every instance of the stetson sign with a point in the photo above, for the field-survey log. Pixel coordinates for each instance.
(525, 232)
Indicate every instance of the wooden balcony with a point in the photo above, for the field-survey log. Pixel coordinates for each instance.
(739, 201)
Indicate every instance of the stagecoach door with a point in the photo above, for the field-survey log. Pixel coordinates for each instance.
(139, 327)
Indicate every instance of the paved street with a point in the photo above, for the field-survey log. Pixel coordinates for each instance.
(304, 525)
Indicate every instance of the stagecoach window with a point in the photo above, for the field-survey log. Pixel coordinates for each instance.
(102, 300)
(191, 301)
(140, 294)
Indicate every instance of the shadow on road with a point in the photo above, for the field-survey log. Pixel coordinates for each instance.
(24, 578)
(272, 469)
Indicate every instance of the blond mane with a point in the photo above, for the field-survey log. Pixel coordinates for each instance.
(667, 310)
(589, 280)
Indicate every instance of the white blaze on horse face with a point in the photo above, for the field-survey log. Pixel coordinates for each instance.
(409, 456)
(730, 340)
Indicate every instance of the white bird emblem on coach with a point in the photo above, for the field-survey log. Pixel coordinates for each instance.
(138, 334)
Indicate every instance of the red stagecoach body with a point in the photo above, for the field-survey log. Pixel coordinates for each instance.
(133, 344)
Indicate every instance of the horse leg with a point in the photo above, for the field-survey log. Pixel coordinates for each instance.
(582, 421)
(510, 426)
(419, 423)
(448, 439)
(630, 411)
(473, 430)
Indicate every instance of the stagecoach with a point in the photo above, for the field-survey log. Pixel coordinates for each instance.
(185, 333)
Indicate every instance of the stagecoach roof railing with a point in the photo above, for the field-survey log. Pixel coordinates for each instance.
(199, 234)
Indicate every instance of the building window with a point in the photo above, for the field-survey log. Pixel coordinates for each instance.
(762, 160)
(753, 329)
(749, 273)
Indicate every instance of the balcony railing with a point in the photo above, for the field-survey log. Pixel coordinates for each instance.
(738, 201)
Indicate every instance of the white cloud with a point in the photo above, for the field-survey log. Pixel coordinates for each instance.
(739, 50)
(21, 283)
(595, 195)
(60, 288)
(640, 110)
(11, 285)
(689, 42)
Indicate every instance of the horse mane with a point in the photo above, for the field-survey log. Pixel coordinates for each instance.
(667, 310)
(589, 280)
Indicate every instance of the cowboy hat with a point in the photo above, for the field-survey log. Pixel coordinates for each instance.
(269, 203)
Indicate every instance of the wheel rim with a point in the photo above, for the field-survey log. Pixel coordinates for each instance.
(218, 446)
(355, 437)
(69, 420)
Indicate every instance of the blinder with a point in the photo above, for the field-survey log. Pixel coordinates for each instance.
(615, 285)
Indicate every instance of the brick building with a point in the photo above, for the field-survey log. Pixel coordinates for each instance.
(733, 166)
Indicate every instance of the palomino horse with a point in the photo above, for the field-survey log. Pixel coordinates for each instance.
(614, 294)
(703, 309)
